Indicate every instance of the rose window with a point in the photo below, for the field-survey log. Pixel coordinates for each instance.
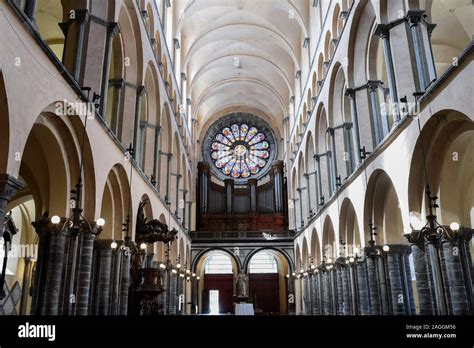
(240, 151)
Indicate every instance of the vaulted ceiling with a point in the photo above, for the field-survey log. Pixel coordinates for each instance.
(240, 53)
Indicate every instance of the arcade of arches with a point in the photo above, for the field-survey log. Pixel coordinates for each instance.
(172, 157)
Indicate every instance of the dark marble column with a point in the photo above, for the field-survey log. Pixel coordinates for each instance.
(137, 150)
(346, 290)
(320, 292)
(112, 30)
(423, 49)
(74, 31)
(327, 293)
(178, 179)
(305, 282)
(383, 31)
(455, 280)
(103, 295)
(437, 273)
(156, 156)
(417, 244)
(384, 285)
(84, 274)
(363, 287)
(333, 158)
(400, 281)
(169, 157)
(355, 126)
(339, 291)
(375, 308)
(54, 274)
(124, 283)
(375, 109)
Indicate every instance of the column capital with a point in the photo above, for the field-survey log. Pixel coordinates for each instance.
(141, 90)
(9, 186)
(229, 182)
(253, 182)
(350, 92)
(347, 125)
(383, 31)
(279, 164)
(113, 29)
(81, 15)
(317, 157)
(414, 17)
(330, 130)
(372, 85)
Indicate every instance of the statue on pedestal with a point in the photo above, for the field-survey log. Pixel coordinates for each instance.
(242, 282)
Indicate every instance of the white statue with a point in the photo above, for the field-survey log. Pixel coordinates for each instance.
(242, 282)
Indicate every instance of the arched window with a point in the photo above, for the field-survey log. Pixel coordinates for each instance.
(218, 263)
(263, 262)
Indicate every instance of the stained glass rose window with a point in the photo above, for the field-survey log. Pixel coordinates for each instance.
(240, 151)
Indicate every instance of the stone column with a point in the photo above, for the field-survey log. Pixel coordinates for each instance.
(417, 244)
(120, 85)
(306, 295)
(437, 277)
(124, 283)
(84, 274)
(363, 287)
(333, 155)
(354, 291)
(8, 188)
(308, 191)
(168, 178)
(339, 291)
(460, 298)
(277, 171)
(318, 179)
(414, 18)
(375, 107)
(400, 281)
(156, 156)
(328, 293)
(373, 286)
(203, 173)
(349, 147)
(383, 31)
(178, 179)
(384, 285)
(137, 150)
(300, 198)
(103, 295)
(317, 291)
(74, 32)
(229, 195)
(346, 290)
(253, 196)
(314, 295)
(112, 30)
(185, 192)
(54, 274)
(355, 126)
